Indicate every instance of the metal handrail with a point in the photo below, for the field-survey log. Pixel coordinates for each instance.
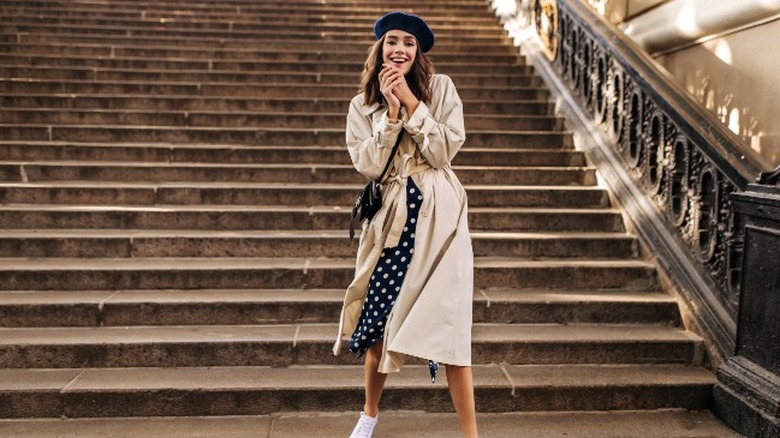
(736, 160)
(672, 163)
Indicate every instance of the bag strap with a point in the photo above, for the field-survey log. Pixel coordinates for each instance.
(387, 165)
(392, 155)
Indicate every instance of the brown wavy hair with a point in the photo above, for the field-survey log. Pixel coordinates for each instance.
(418, 78)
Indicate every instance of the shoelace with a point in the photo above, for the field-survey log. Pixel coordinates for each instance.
(361, 431)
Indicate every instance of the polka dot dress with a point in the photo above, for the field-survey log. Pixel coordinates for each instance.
(387, 278)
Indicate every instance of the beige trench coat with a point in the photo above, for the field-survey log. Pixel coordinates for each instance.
(432, 316)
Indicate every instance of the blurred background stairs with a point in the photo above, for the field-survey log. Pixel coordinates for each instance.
(174, 197)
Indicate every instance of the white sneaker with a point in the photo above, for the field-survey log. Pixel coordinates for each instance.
(364, 427)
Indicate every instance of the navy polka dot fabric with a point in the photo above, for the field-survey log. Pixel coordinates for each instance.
(387, 278)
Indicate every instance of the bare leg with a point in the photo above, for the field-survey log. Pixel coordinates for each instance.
(461, 385)
(375, 381)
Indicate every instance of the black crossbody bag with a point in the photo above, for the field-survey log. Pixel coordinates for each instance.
(370, 199)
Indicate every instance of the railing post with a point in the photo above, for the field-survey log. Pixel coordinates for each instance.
(747, 396)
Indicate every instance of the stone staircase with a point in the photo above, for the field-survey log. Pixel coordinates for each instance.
(174, 197)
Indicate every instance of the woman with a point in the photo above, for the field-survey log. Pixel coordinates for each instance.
(413, 287)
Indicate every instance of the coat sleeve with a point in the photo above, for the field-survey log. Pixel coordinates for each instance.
(439, 136)
(370, 144)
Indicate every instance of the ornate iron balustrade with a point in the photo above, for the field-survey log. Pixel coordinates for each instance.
(683, 181)
(678, 154)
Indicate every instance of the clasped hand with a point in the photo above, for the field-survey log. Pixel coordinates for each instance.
(396, 91)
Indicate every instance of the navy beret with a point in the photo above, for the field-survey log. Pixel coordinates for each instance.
(408, 23)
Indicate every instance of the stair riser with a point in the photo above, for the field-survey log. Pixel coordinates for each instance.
(279, 196)
(265, 12)
(250, 136)
(184, 103)
(259, 35)
(248, 13)
(290, 247)
(233, 120)
(450, 68)
(240, 79)
(288, 220)
(295, 8)
(584, 312)
(171, 402)
(508, 57)
(243, 14)
(284, 354)
(574, 277)
(298, 10)
(484, 41)
(110, 314)
(221, 18)
(568, 277)
(345, 92)
(237, 28)
(554, 221)
(10, 173)
(518, 176)
(335, 155)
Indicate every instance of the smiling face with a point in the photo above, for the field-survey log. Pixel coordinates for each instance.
(399, 50)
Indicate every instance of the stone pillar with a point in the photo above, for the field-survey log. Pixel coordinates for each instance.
(747, 395)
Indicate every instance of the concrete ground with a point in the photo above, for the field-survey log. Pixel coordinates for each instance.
(654, 424)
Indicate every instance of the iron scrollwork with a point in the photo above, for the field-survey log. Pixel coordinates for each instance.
(545, 19)
(691, 191)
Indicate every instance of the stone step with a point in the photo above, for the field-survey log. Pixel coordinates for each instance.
(336, 195)
(252, 136)
(246, 119)
(122, 392)
(317, 273)
(293, 11)
(206, 217)
(280, 18)
(294, 243)
(139, 63)
(247, 54)
(343, 5)
(234, 21)
(252, 34)
(241, 78)
(285, 345)
(227, 89)
(278, 173)
(666, 423)
(468, 38)
(286, 306)
(238, 104)
(162, 15)
(215, 154)
(472, 41)
(10, 173)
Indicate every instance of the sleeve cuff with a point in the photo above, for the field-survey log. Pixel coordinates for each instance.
(415, 122)
(387, 132)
